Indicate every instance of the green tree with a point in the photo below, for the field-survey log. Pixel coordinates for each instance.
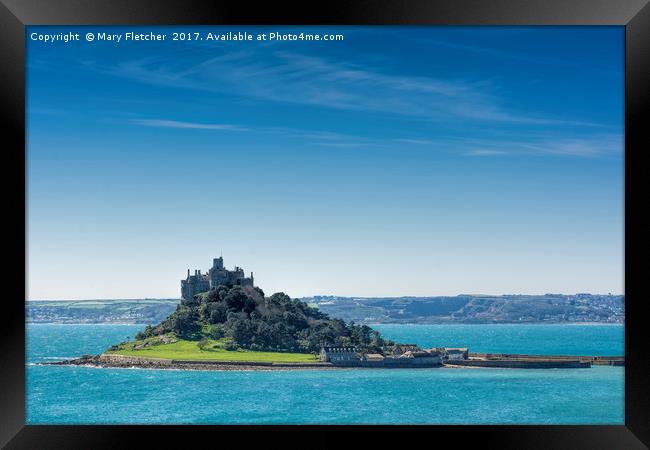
(185, 322)
(202, 343)
(213, 296)
(235, 299)
(216, 331)
(242, 332)
(215, 312)
(194, 301)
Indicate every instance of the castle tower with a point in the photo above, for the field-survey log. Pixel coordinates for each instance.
(217, 275)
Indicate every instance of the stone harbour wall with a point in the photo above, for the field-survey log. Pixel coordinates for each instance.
(522, 364)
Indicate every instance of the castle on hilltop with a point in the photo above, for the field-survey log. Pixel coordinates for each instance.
(217, 275)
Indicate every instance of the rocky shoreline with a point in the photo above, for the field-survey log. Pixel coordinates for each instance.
(113, 361)
(107, 360)
(128, 362)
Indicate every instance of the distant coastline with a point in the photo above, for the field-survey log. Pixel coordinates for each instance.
(481, 309)
(579, 309)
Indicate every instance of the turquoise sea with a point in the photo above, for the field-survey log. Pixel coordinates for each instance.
(82, 395)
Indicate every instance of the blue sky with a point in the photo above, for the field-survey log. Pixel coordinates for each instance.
(400, 161)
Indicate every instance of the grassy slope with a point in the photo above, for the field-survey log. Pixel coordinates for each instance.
(213, 351)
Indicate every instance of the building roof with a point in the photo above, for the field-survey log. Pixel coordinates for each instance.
(455, 350)
(422, 354)
(341, 348)
(417, 354)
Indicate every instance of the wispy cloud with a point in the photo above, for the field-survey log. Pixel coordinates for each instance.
(494, 52)
(192, 125)
(291, 77)
(528, 57)
(606, 145)
(416, 141)
(483, 152)
(591, 146)
(318, 137)
(491, 113)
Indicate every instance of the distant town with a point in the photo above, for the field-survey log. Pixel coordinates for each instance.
(548, 308)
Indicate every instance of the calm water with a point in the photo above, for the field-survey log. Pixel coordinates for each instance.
(543, 339)
(81, 395)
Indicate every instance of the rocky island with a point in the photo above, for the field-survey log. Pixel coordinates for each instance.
(225, 322)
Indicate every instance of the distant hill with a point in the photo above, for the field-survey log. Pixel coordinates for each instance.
(548, 308)
(145, 311)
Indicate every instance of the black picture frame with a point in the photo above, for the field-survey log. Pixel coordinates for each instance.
(16, 14)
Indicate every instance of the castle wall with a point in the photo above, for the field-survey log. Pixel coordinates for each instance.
(218, 275)
(194, 284)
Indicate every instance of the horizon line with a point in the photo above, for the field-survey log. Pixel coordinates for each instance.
(340, 296)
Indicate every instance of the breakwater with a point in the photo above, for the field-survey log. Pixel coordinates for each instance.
(522, 363)
(594, 360)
